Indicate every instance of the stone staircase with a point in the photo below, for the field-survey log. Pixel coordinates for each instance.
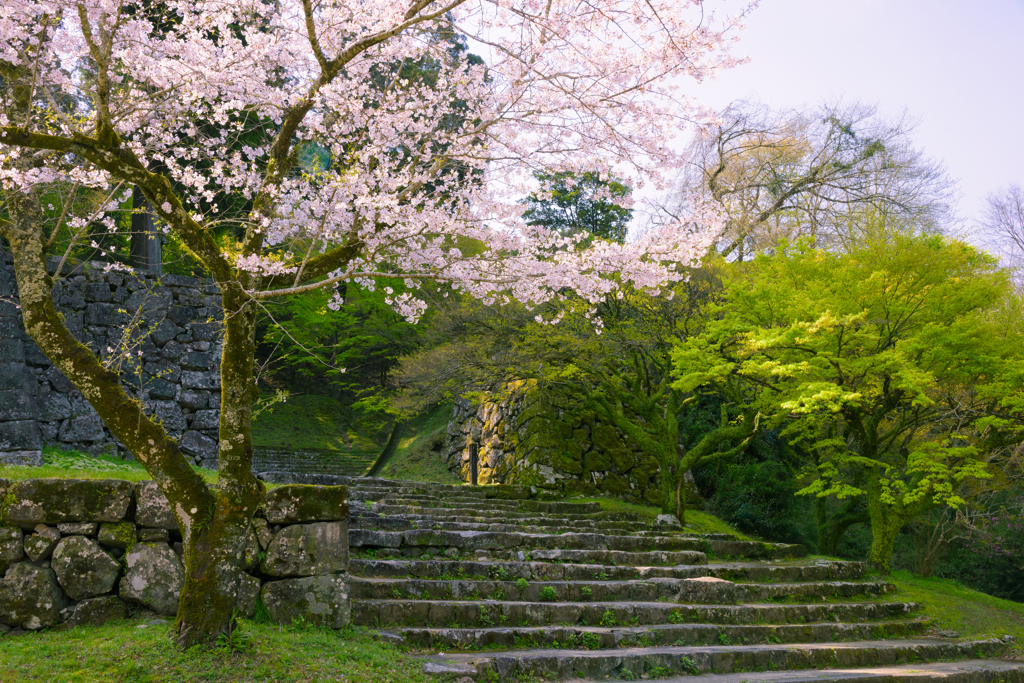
(501, 585)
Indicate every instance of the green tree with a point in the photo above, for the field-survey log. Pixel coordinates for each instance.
(891, 366)
(583, 203)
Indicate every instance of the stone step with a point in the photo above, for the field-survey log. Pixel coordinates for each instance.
(546, 571)
(487, 540)
(970, 671)
(488, 507)
(602, 638)
(535, 525)
(478, 613)
(707, 591)
(662, 662)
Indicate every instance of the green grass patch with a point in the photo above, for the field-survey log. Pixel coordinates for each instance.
(316, 423)
(133, 652)
(62, 464)
(697, 521)
(950, 605)
(418, 457)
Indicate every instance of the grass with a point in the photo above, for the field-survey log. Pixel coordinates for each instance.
(133, 651)
(416, 459)
(950, 605)
(61, 464)
(315, 423)
(696, 520)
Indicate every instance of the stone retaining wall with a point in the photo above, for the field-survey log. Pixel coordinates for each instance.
(81, 551)
(163, 335)
(524, 436)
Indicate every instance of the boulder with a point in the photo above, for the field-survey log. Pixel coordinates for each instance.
(321, 600)
(667, 522)
(263, 533)
(170, 415)
(154, 535)
(154, 577)
(84, 570)
(39, 546)
(97, 611)
(11, 546)
(206, 419)
(30, 597)
(119, 535)
(20, 435)
(54, 406)
(78, 528)
(151, 507)
(298, 503)
(308, 550)
(48, 501)
(198, 445)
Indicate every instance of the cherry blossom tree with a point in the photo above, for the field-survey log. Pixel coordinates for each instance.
(297, 111)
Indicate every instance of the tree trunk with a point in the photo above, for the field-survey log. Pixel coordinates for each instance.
(214, 527)
(681, 499)
(832, 529)
(213, 561)
(145, 251)
(885, 525)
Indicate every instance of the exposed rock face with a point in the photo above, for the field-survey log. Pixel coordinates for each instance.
(84, 570)
(321, 600)
(97, 611)
(308, 550)
(293, 503)
(30, 597)
(49, 501)
(154, 577)
(667, 522)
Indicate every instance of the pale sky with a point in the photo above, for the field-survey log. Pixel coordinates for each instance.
(956, 66)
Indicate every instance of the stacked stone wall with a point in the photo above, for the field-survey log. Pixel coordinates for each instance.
(162, 333)
(547, 440)
(83, 551)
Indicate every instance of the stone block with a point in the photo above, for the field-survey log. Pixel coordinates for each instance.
(39, 546)
(78, 528)
(97, 611)
(206, 419)
(182, 315)
(160, 388)
(11, 547)
(154, 577)
(198, 445)
(196, 379)
(170, 416)
(49, 501)
(17, 405)
(172, 350)
(13, 376)
(83, 569)
(164, 332)
(54, 406)
(321, 600)
(263, 533)
(308, 550)
(193, 400)
(117, 535)
(105, 315)
(147, 535)
(164, 369)
(706, 590)
(151, 507)
(28, 458)
(82, 428)
(196, 360)
(12, 350)
(22, 435)
(298, 503)
(30, 597)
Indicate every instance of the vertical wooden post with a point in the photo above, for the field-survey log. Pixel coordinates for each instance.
(145, 251)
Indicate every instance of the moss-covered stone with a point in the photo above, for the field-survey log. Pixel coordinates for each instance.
(298, 503)
(320, 600)
(566, 461)
(597, 461)
(622, 459)
(49, 501)
(120, 535)
(615, 485)
(606, 437)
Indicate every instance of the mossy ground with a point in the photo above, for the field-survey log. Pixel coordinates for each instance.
(316, 422)
(697, 521)
(133, 651)
(417, 458)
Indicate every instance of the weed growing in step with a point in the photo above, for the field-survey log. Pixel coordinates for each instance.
(689, 666)
(547, 594)
(723, 638)
(608, 618)
(591, 641)
(587, 592)
(772, 639)
(676, 617)
(484, 617)
(522, 585)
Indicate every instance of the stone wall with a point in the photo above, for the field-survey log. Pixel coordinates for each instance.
(163, 335)
(82, 551)
(533, 438)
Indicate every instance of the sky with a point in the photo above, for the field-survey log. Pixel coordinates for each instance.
(955, 66)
